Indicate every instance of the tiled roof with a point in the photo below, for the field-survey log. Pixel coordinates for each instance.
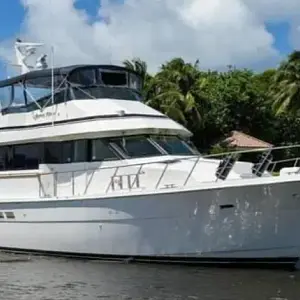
(242, 140)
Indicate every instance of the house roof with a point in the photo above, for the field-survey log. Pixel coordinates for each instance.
(242, 140)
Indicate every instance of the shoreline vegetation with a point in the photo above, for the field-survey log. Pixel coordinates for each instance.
(212, 104)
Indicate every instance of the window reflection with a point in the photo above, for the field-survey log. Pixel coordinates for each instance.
(5, 96)
(41, 88)
(80, 151)
(80, 83)
(29, 156)
(26, 156)
(135, 146)
(84, 77)
(101, 151)
(173, 145)
(52, 153)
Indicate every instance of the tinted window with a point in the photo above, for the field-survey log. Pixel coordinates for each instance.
(114, 78)
(80, 151)
(18, 95)
(27, 156)
(52, 153)
(67, 152)
(173, 145)
(102, 151)
(83, 77)
(40, 90)
(4, 158)
(137, 146)
(135, 82)
(5, 96)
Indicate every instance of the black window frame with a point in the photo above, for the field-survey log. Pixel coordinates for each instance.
(192, 151)
(63, 152)
(120, 149)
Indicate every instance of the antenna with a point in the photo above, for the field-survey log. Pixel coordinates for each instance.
(41, 62)
(24, 51)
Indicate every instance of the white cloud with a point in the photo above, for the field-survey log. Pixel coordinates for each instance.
(217, 32)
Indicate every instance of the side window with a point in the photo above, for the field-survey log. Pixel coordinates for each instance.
(5, 96)
(52, 153)
(135, 82)
(18, 99)
(3, 158)
(80, 151)
(83, 77)
(173, 145)
(67, 152)
(27, 156)
(40, 90)
(135, 146)
(114, 78)
(101, 151)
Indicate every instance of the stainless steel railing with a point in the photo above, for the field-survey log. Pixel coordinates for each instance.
(122, 179)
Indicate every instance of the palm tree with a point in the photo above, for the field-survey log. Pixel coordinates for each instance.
(285, 89)
(137, 65)
(177, 91)
(140, 67)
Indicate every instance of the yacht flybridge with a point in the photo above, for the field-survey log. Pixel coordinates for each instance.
(88, 170)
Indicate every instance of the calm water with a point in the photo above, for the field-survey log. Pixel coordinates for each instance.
(45, 278)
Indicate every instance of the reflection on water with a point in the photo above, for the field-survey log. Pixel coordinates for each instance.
(50, 278)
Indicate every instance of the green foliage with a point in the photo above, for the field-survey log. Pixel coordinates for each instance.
(211, 104)
(286, 86)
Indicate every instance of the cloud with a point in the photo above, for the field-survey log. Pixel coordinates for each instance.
(217, 32)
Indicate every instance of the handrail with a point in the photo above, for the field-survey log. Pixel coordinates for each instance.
(161, 176)
(208, 156)
(17, 173)
(274, 163)
(191, 172)
(133, 176)
(14, 173)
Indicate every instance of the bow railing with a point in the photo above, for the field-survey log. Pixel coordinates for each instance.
(126, 178)
(160, 173)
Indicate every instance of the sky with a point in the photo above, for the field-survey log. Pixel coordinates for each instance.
(246, 33)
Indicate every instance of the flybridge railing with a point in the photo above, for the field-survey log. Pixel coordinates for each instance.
(119, 180)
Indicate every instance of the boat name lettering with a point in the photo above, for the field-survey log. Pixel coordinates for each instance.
(44, 115)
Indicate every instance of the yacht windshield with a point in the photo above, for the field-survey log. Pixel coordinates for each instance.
(173, 145)
(134, 146)
(143, 146)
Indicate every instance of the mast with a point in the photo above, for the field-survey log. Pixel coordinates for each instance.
(52, 83)
(25, 50)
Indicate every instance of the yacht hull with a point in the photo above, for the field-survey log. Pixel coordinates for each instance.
(252, 224)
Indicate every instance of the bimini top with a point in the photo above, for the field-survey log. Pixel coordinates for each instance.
(63, 71)
(32, 90)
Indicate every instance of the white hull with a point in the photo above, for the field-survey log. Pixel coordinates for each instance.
(99, 200)
(257, 222)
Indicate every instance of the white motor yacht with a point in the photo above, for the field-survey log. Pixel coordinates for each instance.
(88, 170)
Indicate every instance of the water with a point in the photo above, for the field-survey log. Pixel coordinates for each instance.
(61, 279)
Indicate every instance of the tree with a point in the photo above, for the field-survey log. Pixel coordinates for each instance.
(238, 103)
(140, 67)
(285, 89)
(176, 91)
(211, 103)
